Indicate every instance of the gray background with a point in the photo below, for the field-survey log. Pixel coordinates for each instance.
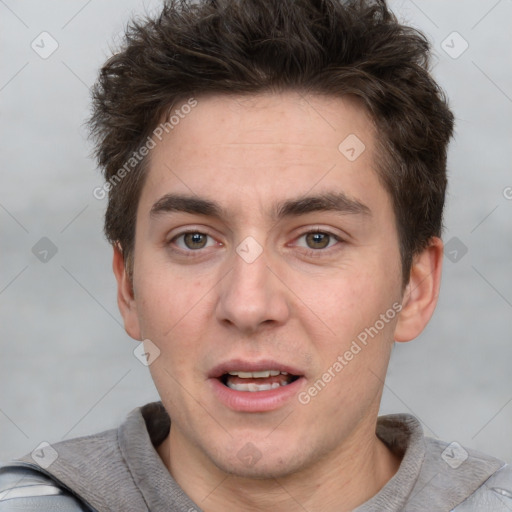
(67, 367)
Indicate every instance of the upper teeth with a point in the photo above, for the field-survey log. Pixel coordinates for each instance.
(256, 375)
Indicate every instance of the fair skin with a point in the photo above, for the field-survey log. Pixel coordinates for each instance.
(297, 306)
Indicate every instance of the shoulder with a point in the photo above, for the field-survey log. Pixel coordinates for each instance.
(26, 489)
(88, 473)
(460, 479)
(494, 494)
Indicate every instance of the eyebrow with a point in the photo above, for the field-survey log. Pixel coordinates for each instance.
(337, 202)
(186, 204)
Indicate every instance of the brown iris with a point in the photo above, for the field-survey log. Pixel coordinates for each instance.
(195, 240)
(317, 240)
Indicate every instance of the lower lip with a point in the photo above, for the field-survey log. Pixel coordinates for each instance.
(255, 401)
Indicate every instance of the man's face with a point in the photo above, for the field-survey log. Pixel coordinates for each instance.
(261, 245)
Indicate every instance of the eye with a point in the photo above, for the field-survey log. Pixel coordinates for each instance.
(318, 240)
(193, 240)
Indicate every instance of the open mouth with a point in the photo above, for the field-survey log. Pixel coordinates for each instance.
(255, 386)
(263, 380)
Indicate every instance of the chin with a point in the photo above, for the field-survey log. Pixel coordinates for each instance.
(249, 462)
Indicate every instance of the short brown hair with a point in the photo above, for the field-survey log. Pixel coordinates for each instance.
(328, 47)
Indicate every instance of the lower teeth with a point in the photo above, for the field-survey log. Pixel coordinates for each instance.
(252, 386)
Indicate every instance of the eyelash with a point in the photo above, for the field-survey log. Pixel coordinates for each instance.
(194, 253)
(188, 252)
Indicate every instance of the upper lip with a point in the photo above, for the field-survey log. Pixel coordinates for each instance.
(245, 365)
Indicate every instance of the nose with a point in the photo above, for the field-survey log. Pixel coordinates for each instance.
(252, 296)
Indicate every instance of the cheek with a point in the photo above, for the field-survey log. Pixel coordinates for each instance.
(164, 298)
(344, 315)
(175, 314)
(340, 300)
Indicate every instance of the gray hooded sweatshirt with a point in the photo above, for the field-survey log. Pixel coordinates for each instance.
(120, 470)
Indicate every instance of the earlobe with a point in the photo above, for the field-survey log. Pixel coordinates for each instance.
(422, 291)
(125, 297)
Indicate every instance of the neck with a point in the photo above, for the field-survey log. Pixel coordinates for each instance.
(337, 482)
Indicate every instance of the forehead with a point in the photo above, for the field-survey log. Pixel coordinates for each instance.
(266, 146)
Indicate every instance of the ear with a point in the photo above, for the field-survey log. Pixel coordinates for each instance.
(422, 291)
(125, 297)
